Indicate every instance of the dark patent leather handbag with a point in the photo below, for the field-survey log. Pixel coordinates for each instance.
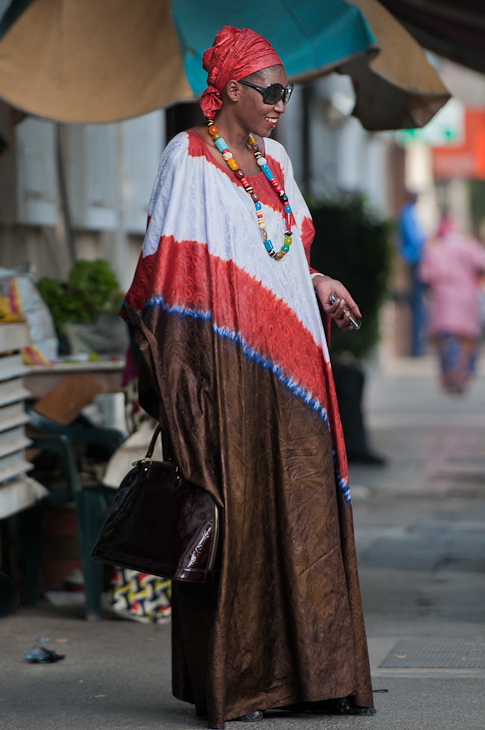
(159, 523)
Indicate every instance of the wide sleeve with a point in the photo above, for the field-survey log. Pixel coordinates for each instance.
(169, 209)
(166, 305)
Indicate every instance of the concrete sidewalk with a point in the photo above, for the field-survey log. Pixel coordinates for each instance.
(421, 541)
(420, 532)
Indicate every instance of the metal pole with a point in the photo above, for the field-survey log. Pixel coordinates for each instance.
(64, 199)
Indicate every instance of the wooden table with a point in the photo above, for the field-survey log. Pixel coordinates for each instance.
(40, 379)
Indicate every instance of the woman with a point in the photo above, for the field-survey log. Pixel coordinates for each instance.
(451, 267)
(237, 371)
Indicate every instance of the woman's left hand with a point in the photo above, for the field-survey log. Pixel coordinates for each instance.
(343, 308)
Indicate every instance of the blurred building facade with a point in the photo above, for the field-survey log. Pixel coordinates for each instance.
(88, 183)
(86, 187)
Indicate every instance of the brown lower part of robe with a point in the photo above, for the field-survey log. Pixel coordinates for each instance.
(283, 623)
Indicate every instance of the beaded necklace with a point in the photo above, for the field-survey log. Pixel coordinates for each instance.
(227, 155)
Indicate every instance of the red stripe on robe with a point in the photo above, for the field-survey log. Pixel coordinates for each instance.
(184, 274)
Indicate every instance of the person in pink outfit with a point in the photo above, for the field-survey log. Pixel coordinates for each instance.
(451, 268)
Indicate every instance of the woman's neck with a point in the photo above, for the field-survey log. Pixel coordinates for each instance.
(235, 136)
(232, 132)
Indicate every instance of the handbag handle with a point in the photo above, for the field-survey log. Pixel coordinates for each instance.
(166, 445)
(151, 448)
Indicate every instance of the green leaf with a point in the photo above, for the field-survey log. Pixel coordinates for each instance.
(92, 289)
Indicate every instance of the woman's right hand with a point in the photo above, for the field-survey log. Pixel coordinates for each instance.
(343, 308)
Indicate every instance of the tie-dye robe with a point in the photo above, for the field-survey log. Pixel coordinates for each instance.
(237, 369)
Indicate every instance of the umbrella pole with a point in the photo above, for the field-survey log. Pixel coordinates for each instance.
(63, 195)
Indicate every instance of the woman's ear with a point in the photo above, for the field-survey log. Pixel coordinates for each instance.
(233, 90)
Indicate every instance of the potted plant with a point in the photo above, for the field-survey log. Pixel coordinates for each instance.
(85, 307)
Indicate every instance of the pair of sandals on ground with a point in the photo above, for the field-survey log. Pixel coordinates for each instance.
(336, 706)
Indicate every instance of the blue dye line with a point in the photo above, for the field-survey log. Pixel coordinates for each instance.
(250, 353)
(343, 485)
(175, 309)
(344, 488)
(267, 364)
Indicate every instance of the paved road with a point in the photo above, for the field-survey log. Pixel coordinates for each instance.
(420, 531)
(421, 541)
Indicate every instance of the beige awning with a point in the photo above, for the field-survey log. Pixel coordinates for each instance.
(398, 88)
(92, 60)
(108, 60)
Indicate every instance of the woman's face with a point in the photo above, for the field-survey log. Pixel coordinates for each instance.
(258, 117)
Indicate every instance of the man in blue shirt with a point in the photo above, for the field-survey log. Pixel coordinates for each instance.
(411, 243)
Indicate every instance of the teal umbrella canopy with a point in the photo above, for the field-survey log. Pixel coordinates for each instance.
(311, 37)
(105, 61)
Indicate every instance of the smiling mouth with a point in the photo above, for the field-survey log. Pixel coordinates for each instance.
(272, 120)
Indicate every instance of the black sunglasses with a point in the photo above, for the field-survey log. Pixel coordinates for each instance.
(273, 93)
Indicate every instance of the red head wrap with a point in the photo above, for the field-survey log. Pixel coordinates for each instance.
(235, 54)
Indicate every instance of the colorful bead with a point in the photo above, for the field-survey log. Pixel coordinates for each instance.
(221, 145)
(267, 171)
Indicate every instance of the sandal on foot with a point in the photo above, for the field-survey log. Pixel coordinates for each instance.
(251, 716)
(342, 706)
(335, 706)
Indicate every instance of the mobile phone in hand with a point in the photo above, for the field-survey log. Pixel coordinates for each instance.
(356, 323)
